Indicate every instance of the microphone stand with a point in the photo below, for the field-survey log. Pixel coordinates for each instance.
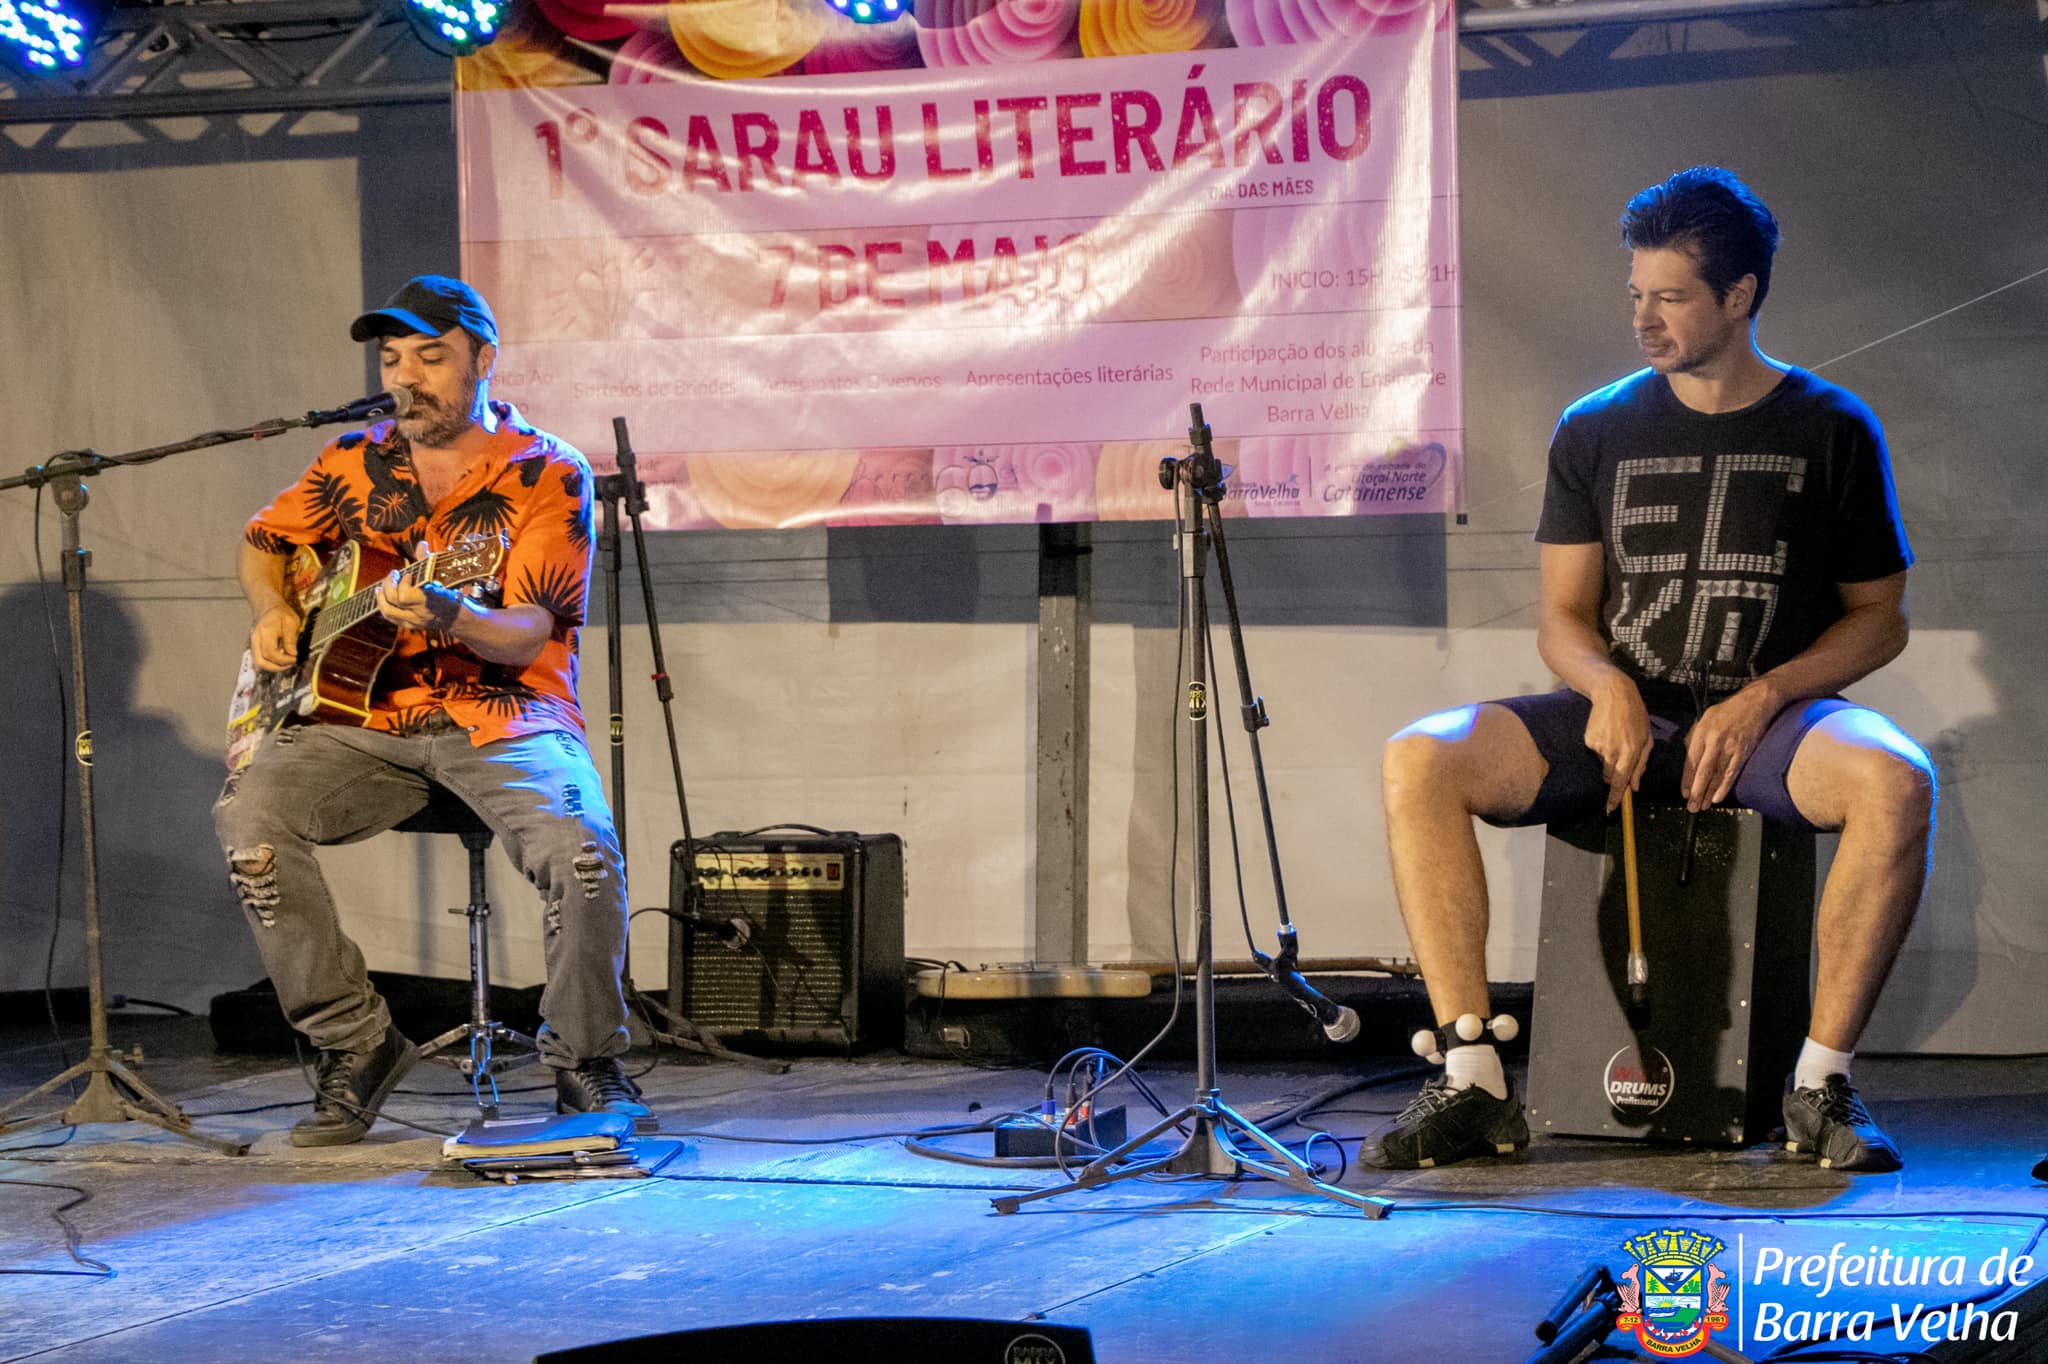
(1208, 1149)
(113, 1092)
(625, 487)
(1339, 1022)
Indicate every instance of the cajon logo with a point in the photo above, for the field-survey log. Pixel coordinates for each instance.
(1638, 1081)
(1034, 1350)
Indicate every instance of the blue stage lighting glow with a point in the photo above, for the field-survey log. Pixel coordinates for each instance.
(50, 35)
(465, 24)
(1449, 724)
(870, 11)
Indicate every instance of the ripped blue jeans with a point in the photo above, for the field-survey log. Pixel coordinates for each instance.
(325, 784)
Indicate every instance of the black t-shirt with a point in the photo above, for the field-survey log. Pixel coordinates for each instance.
(1725, 534)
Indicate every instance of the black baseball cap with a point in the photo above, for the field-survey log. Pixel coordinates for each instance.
(431, 304)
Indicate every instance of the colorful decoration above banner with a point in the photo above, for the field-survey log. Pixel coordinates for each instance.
(951, 269)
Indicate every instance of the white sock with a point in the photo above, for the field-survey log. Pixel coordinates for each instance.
(1816, 1063)
(1476, 1064)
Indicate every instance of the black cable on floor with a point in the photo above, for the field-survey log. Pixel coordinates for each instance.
(69, 1133)
(126, 1001)
(94, 1269)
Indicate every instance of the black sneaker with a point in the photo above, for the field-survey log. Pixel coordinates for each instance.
(1831, 1122)
(349, 1087)
(600, 1084)
(1441, 1125)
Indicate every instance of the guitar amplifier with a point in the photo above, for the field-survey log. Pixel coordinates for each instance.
(799, 942)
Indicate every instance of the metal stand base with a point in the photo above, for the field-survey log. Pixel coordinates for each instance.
(114, 1093)
(1208, 1152)
(481, 1067)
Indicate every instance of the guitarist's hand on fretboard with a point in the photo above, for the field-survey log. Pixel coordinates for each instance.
(274, 639)
(417, 606)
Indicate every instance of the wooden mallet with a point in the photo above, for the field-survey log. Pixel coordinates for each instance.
(1638, 1007)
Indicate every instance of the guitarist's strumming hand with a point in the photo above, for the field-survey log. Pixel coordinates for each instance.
(274, 639)
(415, 606)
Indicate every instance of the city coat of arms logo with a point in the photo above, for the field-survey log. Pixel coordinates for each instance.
(1674, 1296)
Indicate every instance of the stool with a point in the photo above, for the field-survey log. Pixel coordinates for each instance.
(1729, 951)
(445, 814)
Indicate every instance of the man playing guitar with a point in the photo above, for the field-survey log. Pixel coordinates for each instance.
(476, 696)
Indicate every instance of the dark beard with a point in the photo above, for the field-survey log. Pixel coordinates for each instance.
(434, 426)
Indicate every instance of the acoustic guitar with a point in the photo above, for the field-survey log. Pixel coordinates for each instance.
(343, 642)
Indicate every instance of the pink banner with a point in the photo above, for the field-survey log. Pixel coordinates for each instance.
(973, 267)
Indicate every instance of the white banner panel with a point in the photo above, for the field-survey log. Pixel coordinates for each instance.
(984, 282)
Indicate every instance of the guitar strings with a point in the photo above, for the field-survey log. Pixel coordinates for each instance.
(339, 619)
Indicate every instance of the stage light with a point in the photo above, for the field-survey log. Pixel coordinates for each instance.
(458, 26)
(871, 11)
(50, 35)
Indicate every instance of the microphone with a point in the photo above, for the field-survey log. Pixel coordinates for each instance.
(1576, 1336)
(395, 403)
(734, 934)
(1340, 1022)
(1596, 1281)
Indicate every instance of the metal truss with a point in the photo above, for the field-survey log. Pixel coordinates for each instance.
(1543, 14)
(215, 58)
(1551, 47)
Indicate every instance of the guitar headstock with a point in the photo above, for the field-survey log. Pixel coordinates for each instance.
(473, 558)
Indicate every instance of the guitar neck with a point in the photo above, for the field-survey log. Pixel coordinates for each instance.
(346, 615)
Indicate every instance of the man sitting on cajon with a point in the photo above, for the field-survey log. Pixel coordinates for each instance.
(1721, 555)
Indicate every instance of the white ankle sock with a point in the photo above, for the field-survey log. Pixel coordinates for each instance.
(1476, 1064)
(1816, 1063)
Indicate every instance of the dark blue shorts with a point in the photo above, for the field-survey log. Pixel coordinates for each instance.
(1574, 789)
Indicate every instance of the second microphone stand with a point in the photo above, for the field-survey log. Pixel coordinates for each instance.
(1210, 1147)
(113, 1092)
(613, 490)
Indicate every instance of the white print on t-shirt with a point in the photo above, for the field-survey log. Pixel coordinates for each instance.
(1737, 604)
(1655, 514)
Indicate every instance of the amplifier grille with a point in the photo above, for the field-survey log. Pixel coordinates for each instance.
(791, 970)
(788, 974)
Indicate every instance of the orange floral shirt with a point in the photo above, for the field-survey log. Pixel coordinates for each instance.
(527, 484)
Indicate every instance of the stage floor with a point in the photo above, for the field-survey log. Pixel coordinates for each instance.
(374, 1252)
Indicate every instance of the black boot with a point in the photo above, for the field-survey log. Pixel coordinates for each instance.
(1830, 1121)
(601, 1085)
(349, 1088)
(1441, 1125)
